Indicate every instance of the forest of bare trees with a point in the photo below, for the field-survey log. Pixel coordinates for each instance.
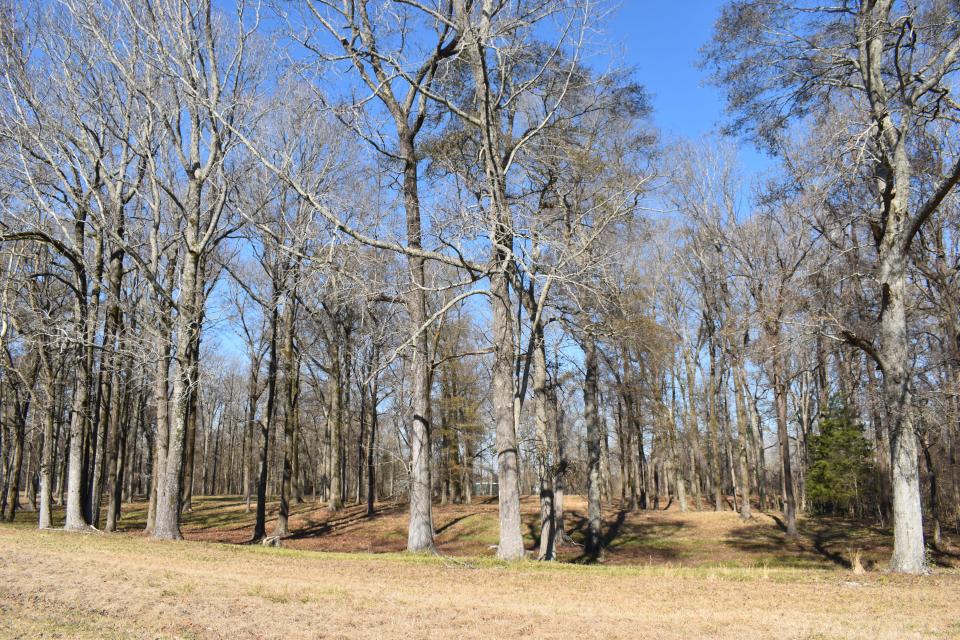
(357, 250)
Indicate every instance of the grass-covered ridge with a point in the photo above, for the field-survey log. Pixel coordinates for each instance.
(666, 538)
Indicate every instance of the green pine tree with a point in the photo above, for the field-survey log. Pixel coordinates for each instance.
(841, 465)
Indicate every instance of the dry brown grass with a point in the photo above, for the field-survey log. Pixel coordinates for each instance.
(56, 584)
(694, 539)
(643, 537)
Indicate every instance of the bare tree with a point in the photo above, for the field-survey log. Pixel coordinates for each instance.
(887, 66)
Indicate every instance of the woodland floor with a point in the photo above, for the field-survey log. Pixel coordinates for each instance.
(664, 575)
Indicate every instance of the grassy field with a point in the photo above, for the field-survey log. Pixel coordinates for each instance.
(664, 575)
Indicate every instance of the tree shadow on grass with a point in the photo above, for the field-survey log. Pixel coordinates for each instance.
(628, 540)
(340, 520)
(439, 530)
(826, 541)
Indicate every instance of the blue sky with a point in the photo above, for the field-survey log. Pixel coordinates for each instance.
(661, 39)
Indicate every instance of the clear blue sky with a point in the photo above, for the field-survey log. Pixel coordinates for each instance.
(661, 39)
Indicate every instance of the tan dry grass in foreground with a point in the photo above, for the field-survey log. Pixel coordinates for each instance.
(55, 584)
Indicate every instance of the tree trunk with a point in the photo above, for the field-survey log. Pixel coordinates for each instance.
(11, 500)
(118, 468)
(101, 435)
(266, 423)
(716, 464)
(335, 498)
(678, 479)
(743, 444)
(420, 532)
(167, 524)
(290, 399)
(190, 438)
(693, 430)
(162, 407)
(934, 494)
(908, 546)
(114, 471)
(296, 489)
(508, 463)
(592, 420)
(780, 399)
(46, 456)
(371, 456)
(544, 468)
(253, 396)
(75, 519)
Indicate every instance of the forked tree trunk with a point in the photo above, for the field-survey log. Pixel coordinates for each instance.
(109, 377)
(105, 396)
(501, 234)
(186, 352)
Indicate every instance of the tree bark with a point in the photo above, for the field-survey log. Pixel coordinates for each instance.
(167, 525)
(508, 462)
(335, 499)
(743, 429)
(716, 464)
(370, 451)
(592, 420)
(290, 400)
(85, 312)
(908, 545)
(780, 399)
(161, 407)
(114, 470)
(12, 498)
(545, 471)
(46, 456)
(420, 531)
(266, 423)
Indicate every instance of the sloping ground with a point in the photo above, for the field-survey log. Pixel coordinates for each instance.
(669, 537)
(62, 585)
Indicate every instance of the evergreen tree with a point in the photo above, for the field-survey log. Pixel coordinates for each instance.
(840, 462)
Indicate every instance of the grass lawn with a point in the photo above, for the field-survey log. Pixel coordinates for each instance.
(664, 575)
